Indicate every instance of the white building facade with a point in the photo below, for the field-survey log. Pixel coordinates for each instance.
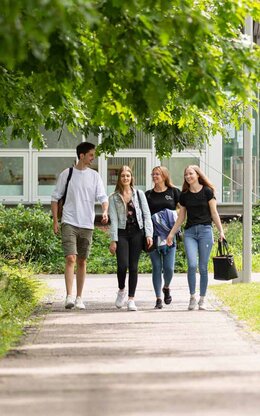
(28, 175)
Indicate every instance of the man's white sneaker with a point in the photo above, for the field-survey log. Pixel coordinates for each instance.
(120, 299)
(69, 302)
(79, 303)
(192, 304)
(131, 306)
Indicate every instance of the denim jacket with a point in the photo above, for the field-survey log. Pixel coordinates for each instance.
(117, 214)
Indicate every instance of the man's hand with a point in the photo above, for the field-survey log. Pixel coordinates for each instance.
(55, 226)
(104, 219)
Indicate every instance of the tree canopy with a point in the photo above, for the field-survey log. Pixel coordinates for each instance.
(179, 69)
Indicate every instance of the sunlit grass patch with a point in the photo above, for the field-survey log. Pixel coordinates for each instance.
(243, 300)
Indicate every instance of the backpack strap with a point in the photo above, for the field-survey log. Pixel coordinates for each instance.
(67, 183)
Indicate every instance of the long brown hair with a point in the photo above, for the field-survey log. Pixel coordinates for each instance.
(119, 187)
(203, 179)
(165, 175)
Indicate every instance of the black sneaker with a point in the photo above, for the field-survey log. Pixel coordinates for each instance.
(158, 304)
(167, 296)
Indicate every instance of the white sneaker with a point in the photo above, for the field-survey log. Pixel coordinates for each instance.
(120, 299)
(131, 306)
(192, 304)
(79, 303)
(202, 305)
(69, 302)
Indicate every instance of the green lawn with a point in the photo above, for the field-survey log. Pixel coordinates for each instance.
(243, 300)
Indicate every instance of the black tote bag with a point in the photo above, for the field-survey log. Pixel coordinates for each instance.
(223, 262)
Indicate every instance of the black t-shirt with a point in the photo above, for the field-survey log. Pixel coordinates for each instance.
(197, 206)
(158, 201)
(131, 214)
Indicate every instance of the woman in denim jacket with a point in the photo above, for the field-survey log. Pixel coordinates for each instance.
(126, 232)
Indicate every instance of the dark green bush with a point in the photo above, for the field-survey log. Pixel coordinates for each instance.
(26, 235)
(19, 295)
(256, 229)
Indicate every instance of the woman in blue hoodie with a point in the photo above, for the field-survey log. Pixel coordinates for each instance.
(162, 198)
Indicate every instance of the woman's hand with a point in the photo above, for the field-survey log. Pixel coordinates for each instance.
(112, 247)
(169, 239)
(221, 236)
(149, 241)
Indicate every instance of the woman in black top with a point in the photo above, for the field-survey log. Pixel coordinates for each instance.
(198, 202)
(163, 196)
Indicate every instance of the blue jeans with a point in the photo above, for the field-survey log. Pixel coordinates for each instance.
(162, 263)
(198, 242)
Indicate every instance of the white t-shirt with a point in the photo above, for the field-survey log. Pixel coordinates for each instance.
(84, 189)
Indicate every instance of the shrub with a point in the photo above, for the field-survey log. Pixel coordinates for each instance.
(19, 295)
(26, 234)
(256, 229)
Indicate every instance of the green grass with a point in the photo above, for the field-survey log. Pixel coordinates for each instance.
(243, 299)
(20, 294)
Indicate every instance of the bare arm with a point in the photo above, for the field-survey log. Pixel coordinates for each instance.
(54, 210)
(104, 213)
(215, 217)
(180, 220)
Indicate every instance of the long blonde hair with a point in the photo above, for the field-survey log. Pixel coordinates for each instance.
(203, 179)
(165, 175)
(119, 187)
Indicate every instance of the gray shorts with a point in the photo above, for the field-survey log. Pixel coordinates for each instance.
(76, 240)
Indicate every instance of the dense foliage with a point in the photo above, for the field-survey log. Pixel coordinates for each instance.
(180, 69)
(19, 295)
(256, 230)
(26, 235)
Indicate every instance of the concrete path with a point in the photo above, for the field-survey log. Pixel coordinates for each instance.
(104, 361)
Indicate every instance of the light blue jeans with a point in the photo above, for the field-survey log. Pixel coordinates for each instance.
(162, 263)
(198, 242)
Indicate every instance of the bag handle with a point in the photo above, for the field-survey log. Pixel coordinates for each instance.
(140, 205)
(222, 249)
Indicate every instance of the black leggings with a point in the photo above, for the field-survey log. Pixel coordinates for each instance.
(129, 247)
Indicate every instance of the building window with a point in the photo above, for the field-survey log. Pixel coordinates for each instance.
(138, 166)
(233, 163)
(61, 139)
(12, 176)
(141, 140)
(49, 169)
(176, 166)
(14, 144)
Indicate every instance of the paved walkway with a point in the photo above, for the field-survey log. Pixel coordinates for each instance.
(104, 361)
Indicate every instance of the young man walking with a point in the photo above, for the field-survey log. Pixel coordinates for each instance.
(77, 222)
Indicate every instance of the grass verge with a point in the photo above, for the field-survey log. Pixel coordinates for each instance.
(243, 299)
(20, 294)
